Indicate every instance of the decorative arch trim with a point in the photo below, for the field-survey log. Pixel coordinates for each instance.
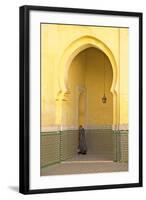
(72, 51)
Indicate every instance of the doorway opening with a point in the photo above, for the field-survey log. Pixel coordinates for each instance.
(89, 72)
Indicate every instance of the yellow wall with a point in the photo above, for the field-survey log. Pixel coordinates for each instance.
(48, 109)
(124, 76)
(76, 78)
(55, 39)
(98, 113)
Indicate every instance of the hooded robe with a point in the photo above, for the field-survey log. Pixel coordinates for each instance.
(82, 141)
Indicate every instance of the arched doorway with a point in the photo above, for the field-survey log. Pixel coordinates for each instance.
(89, 72)
(71, 52)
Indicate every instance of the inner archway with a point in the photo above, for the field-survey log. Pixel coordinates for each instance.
(85, 83)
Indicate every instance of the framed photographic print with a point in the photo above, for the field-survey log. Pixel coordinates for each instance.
(80, 99)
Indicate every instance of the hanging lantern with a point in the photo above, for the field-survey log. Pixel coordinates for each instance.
(104, 98)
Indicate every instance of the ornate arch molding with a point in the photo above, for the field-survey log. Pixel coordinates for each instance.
(72, 51)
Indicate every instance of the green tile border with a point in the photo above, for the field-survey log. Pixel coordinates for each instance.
(116, 142)
(47, 165)
(50, 133)
(59, 134)
(119, 132)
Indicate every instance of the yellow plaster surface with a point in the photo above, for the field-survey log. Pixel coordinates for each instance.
(71, 64)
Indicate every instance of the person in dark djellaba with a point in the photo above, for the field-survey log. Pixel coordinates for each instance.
(82, 147)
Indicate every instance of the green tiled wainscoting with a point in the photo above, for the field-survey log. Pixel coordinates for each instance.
(69, 144)
(62, 145)
(50, 148)
(120, 139)
(100, 141)
(58, 146)
(124, 146)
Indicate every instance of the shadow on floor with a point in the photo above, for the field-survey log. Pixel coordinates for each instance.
(14, 188)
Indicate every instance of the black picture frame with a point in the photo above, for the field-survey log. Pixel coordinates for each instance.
(24, 137)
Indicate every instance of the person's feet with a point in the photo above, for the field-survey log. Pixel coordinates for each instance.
(82, 152)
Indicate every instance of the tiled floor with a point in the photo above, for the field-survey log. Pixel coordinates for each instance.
(84, 164)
